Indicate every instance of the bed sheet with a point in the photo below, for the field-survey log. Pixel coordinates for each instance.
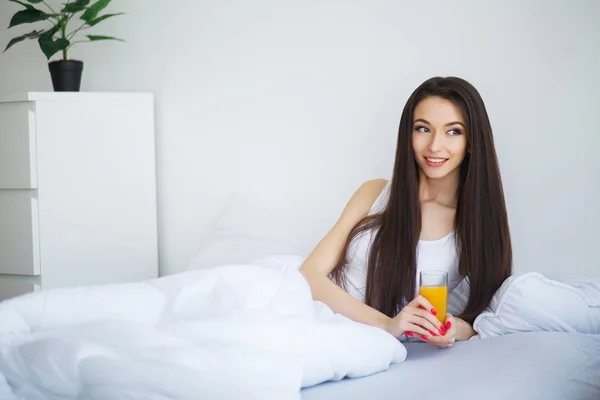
(535, 365)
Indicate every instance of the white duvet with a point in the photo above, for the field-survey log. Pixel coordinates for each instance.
(238, 331)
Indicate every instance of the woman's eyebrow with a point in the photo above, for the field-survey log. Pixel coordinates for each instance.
(448, 124)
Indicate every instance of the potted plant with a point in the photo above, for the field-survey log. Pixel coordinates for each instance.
(57, 38)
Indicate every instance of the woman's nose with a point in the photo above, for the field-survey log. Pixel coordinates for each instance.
(436, 143)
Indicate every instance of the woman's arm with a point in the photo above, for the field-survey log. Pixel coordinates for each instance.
(464, 330)
(417, 316)
(321, 261)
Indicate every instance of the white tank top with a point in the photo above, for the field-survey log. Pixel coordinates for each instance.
(440, 255)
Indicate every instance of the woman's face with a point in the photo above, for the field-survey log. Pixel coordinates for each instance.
(439, 137)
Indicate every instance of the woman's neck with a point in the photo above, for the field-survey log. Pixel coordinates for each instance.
(443, 190)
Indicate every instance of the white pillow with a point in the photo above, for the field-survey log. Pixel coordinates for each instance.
(532, 302)
(259, 222)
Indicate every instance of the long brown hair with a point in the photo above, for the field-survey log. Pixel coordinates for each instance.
(481, 223)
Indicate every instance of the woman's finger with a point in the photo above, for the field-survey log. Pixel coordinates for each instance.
(432, 312)
(450, 325)
(450, 337)
(423, 302)
(416, 330)
(438, 327)
(424, 323)
(441, 342)
(449, 321)
(419, 316)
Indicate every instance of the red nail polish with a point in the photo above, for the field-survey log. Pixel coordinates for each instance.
(433, 311)
(432, 334)
(424, 337)
(448, 324)
(442, 331)
(409, 334)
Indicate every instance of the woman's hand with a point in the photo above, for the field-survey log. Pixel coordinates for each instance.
(447, 339)
(417, 318)
(457, 329)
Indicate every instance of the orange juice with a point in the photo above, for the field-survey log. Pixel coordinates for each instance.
(438, 297)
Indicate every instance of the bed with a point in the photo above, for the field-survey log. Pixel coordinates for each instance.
(536, 365)
(253, 331)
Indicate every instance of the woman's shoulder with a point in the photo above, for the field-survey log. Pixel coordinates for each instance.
(363, 199)
(370, 191)
(373, 187)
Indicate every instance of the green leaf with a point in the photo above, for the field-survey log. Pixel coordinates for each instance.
(102, 18)
(92, 12)
(28, 6)
(28, 16)
(35, 1)
(49, 46)
(75, 7)
(31, 35)
(95, 38)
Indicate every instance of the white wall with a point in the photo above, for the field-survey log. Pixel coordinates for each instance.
(305, 96)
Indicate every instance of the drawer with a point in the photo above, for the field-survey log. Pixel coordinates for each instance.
(18, 161)
(19, 232)
(16, 286)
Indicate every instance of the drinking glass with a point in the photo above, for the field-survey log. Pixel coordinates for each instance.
(433, 285)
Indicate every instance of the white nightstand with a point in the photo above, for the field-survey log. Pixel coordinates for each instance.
(77, 190)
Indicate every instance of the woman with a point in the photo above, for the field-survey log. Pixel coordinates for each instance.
(443, 209)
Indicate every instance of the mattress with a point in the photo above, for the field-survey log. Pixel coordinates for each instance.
(536, 365)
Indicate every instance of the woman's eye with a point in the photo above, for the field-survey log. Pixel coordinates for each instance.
(421, 129)
(454, 132)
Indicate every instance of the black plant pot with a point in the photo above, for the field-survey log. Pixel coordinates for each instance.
(66, 75)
